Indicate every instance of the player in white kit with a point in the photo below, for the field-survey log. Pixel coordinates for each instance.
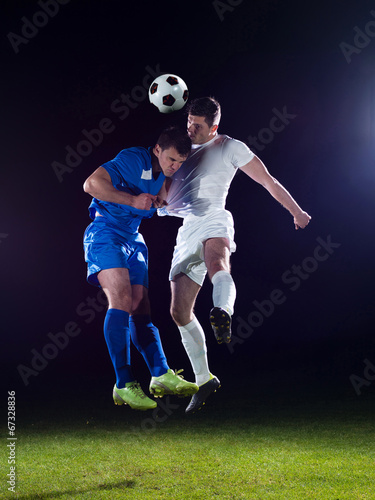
(205, 241)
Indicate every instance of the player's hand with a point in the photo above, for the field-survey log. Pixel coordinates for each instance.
(144, 201)
(301, 220)
(159, 202)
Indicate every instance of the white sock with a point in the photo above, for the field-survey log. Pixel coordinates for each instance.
(224, 291)
(194, 341)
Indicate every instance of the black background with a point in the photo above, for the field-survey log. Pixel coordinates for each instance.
(254, 57)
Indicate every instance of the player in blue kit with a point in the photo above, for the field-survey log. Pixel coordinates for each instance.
(125, 191)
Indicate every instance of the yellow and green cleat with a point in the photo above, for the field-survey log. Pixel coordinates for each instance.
(172, 383)
(133, 395)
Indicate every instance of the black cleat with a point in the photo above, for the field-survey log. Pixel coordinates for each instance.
(199, 398)
(221, 324)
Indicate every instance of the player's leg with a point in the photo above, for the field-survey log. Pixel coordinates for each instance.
(184, 293)
(145, 335)
(217, 259)
(116, 285)
(106, 254)
(187, 275)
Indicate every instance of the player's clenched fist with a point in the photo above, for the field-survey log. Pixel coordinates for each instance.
(159, 202)
(301, 220)
(144, 201)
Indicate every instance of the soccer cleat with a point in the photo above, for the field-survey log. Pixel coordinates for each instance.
(205, 390)
(172, 383)
(221, 322)
(133, 395)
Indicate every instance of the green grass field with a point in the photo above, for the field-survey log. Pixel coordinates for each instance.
(274, 445)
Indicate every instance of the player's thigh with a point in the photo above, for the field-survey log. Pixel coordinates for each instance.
(115, 283)
(140, 300)
(217, 255)
(184, 292)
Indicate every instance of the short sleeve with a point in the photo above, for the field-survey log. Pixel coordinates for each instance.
(124, 167)
(237, 153)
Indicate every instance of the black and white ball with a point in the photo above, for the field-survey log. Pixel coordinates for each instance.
(168, 93)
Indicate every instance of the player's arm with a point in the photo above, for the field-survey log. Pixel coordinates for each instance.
(99, 185)
(257, 171)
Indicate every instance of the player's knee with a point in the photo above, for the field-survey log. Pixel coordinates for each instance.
(174, 312)
(217, 265)
(141, 306)
(179, 314)
(120, 300)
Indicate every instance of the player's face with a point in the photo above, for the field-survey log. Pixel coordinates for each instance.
(198, 130)
(169, 160)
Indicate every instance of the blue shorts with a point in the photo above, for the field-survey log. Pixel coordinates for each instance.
(107, 246)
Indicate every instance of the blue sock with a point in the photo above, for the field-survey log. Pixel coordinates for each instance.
(117, 336)
(145, 336)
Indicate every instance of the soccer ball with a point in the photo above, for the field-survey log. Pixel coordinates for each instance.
(168, 93)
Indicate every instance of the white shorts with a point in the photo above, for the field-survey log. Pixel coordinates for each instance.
(188, 253)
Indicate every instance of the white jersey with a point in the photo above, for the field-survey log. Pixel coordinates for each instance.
(201, 184)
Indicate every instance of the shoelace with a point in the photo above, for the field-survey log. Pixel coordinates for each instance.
(137, 389)
(177, 372)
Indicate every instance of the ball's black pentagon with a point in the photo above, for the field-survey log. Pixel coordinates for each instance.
(154, 88)
(186, 95)
(172, 80)
(168, 100)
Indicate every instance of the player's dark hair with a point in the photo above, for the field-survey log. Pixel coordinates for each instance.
(175, 137)
(207, 107)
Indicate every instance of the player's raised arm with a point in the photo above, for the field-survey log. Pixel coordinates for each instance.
(257, 171)
(99, 185)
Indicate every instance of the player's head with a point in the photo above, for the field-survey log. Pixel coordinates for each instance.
(204, 116)
(172, 148)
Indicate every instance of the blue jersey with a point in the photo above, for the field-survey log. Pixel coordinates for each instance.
(130, 171)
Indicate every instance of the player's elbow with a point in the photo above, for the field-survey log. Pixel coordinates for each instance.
(96, 182)
(86, 186)
(89, 186)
